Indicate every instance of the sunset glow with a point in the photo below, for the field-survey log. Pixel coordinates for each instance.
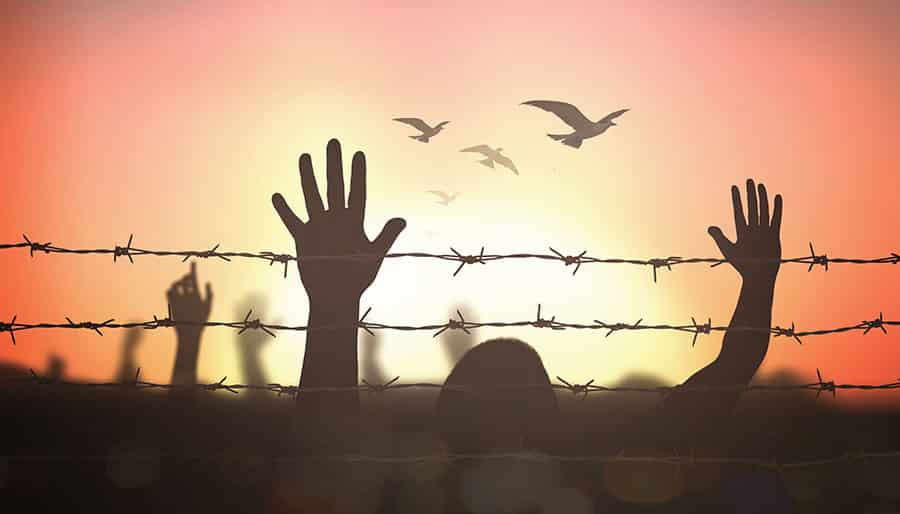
(177, 123)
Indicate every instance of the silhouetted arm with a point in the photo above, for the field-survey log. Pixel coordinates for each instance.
(187, 305)
(758, 239)
(334, 286)
(251, 343)
(127, 365)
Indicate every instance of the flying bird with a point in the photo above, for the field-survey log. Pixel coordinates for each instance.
(427, 132)
(584, 128)
(445, 197)
(493, 156)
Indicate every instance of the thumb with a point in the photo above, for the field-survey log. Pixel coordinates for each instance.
(725, 246)
(388, 235)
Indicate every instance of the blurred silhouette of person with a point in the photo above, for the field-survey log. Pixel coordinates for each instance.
(56, 368)
(251, 343)
(372, 364)
(127, 366)
(188, 306)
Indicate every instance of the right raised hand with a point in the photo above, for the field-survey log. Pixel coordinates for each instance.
(757, 250)
(337, 231)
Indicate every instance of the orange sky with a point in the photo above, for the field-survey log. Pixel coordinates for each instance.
(176, 123)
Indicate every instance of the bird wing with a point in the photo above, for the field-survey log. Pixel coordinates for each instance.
(506, 161)
(613, 115)
(482, 149)
(441, 124)
(415, 122)
(566, 112)
(444, 196)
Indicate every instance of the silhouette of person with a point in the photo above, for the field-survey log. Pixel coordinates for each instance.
(482, 416)
(127, 366)
(188, 306)
(251, 343)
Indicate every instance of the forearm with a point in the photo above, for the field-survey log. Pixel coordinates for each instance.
(330, 358)
(184, 372)
(743, 351)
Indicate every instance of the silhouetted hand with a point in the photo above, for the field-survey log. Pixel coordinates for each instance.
(337, 231)
(758, 237)
(187, 305)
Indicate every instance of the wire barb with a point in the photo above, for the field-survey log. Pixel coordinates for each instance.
(577, 389)
(540, 322)
(816, 260)
(124, 252)
(90, 325)
(362, 322)
(875, 323)
(705, 328)
(206, 254)
(619, 326)
(825, 386)
(10, 327)
(467, 259)
(379, 388)
(254, 324)
(279, 257)
(659, 263)
(787, 332)
(453, 324)
(570, 259)
(40, 247)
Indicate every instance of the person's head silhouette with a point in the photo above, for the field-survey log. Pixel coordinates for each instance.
(512, 408)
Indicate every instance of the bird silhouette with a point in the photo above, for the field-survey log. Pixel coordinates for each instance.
(584, 128)
(493, 155)
(427, 131)
(446, 198)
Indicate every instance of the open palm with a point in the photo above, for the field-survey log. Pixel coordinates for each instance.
(336, 232)
(757, 251)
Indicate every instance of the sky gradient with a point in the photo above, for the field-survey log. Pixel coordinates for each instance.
(177, 121)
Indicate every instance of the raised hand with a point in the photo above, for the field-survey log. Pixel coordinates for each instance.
(757, 250)
(756, 255)
(186, 303)
(188, 306)
(337, 231)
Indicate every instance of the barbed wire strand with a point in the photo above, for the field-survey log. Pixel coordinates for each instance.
(581, 390)
(129, 251)
(248, 323)
(621, 458)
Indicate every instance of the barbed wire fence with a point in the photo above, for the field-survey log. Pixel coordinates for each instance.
(460, 323)
(579, 390)
(674, 459)
(129, 251)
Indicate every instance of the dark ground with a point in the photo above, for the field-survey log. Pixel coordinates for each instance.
(128, 451)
